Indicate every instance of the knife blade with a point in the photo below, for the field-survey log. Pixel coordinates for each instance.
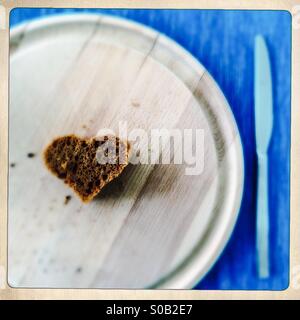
(263, 130)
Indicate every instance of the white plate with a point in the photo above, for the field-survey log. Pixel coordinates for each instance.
(156, 226)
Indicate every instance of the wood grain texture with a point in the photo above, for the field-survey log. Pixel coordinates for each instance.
(79, 77)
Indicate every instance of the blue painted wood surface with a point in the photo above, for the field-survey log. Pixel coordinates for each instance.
(224, 42)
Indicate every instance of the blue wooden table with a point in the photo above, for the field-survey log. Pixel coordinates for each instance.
(224, 41)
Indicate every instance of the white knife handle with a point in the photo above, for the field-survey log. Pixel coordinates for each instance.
(262, 217)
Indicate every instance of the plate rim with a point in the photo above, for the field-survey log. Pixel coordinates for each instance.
(186, 274)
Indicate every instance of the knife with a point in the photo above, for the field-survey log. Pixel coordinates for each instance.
(263, 130)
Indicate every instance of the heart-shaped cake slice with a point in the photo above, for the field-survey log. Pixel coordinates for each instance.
(87, 165)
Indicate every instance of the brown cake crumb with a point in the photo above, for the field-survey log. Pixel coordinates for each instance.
(135, 103)
(86, 165)
(30, 155)
(67, 199)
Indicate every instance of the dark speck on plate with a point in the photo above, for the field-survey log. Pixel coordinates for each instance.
(30, 155)
(67, 199)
